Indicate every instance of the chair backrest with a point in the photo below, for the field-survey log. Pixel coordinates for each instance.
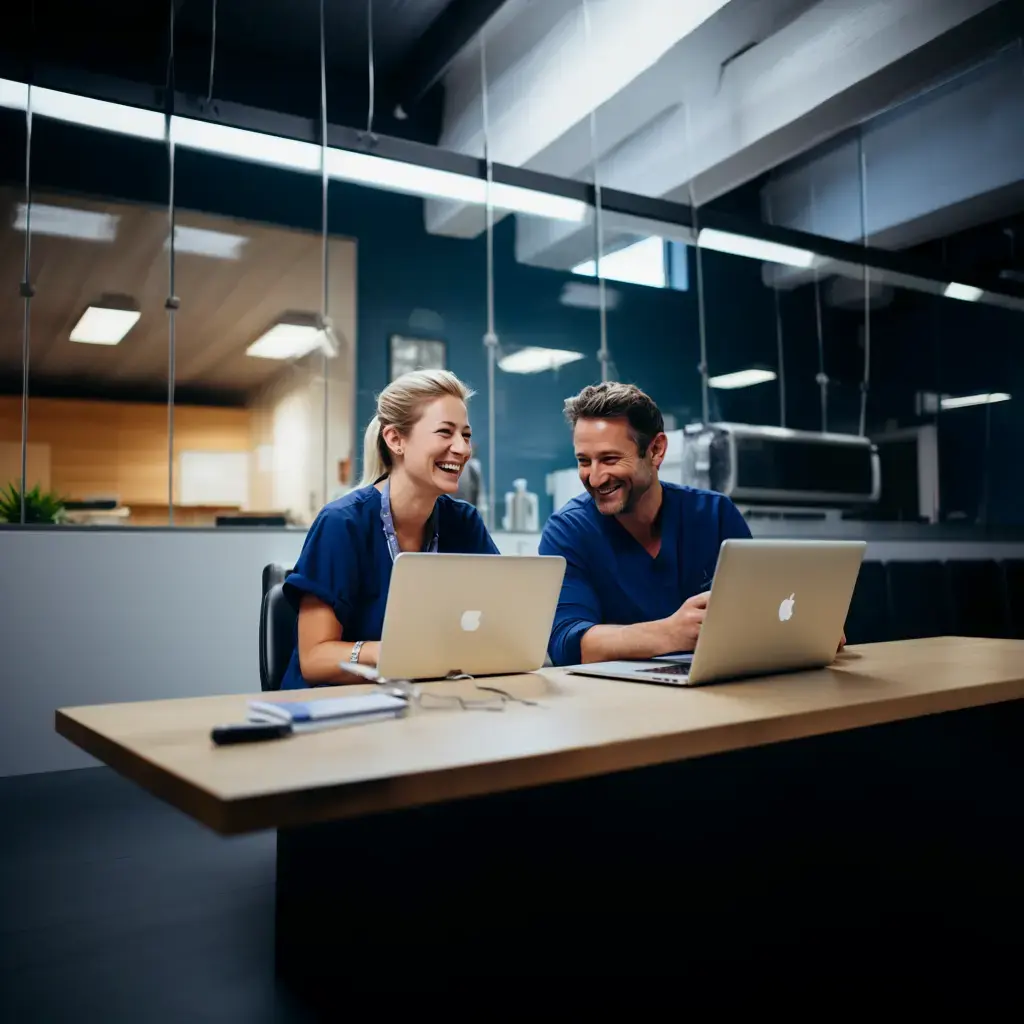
(273, 573)
(978, 598)
(277, 629)
(868, 619)
(919, 601)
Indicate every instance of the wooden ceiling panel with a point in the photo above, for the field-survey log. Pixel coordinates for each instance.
(225, 303)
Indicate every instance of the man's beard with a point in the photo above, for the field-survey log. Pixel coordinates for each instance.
(625, 496)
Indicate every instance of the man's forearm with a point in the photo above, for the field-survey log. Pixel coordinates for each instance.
(642, 640)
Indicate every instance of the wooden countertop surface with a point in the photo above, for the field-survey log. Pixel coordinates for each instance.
(583, 727)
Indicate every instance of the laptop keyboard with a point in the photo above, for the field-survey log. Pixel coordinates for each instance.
(669, 670)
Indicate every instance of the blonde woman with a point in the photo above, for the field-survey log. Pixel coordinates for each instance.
(414, 452)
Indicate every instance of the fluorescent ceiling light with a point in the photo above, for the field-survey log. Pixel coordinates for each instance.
(291, 154)
(963, 401)
(205, 242)
(536, 360)
(224, 140)
(66, 222)
(642, 262)
(437, 184)
(741, 379)
(84, 110)
(967, 292)
(754, 248)
(13, 94)
(287, 341)
(102, 326)
(378, 172)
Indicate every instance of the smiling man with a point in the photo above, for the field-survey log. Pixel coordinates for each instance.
(640, 554)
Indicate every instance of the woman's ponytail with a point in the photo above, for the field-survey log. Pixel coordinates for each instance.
(374, 466)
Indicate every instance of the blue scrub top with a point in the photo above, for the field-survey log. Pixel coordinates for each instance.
(345, 562)
(611, 580)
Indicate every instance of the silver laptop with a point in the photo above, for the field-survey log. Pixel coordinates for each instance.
(468, 614)
(775, 606)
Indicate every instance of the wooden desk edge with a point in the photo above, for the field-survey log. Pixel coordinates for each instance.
(349, 800)
(188, 798)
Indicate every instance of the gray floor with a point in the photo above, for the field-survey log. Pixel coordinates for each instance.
(115, 907)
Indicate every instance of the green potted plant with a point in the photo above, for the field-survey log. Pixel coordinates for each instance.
(40, 506)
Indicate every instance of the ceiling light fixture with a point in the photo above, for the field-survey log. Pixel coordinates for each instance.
(963, 401)
(375, 171)
(13, 95)
(66, 222)
(292, 337)
(206, 242)
(534, 359)
(84, 110)
(431, 182)
(754, 248)
(102, 325)
(741, 379)
(965, 292)
(292, 154)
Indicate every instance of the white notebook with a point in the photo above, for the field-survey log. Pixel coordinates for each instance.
(329, 711)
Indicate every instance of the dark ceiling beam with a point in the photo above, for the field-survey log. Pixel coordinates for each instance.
(456, 26)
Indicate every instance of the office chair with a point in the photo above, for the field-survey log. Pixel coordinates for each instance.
(277, 629)
(273, 573)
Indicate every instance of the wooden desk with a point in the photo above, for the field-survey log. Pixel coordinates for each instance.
(604, 779)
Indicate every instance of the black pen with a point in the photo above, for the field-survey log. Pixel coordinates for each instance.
(249, 732)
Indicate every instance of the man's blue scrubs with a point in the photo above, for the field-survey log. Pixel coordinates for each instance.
(610, 578)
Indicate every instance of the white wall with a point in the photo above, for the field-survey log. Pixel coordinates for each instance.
(91, 617)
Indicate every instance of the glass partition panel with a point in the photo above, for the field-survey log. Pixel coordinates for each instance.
(422, 298)
(877, 180)
(12, 319)
(748, 375)
(98, 359)
(548, 324)
(941, 374)
(560, 330)
(945, 407)
(266, 438)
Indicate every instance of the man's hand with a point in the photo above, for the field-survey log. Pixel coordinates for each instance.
(684, 624)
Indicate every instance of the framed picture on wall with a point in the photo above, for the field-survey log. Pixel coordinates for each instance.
(416, 354)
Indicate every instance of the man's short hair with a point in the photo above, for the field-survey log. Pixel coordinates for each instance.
(612, 400)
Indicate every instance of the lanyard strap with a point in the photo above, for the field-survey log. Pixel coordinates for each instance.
(389, 525)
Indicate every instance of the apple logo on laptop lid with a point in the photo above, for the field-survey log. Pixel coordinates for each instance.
(470, 621)
(786, 608)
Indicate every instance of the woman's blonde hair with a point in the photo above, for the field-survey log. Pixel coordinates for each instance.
(400, 405)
